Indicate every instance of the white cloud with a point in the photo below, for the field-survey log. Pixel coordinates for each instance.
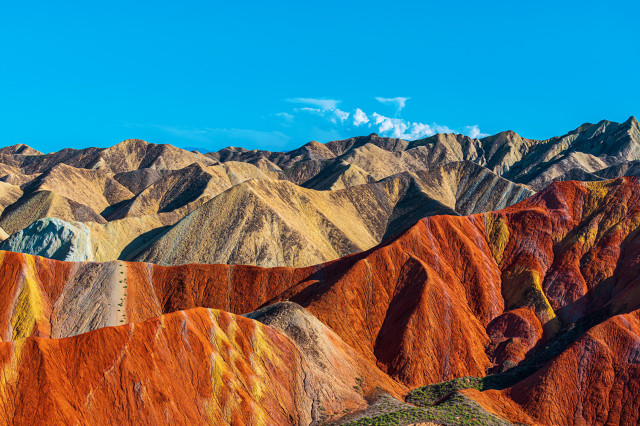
(443, 129)
(318, 111)
(333, 115)
(347, 124)
(315, 119)
(474, 132)
(359, 117)
(420, 130)
(399, 128)
(322, 117)
(398, 102)
(340, 115)
(320, 103)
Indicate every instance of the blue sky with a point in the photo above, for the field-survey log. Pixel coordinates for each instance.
(277, 75)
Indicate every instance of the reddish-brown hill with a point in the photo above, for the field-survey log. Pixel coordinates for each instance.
(595, 381)
(190, 367)
(451, 297)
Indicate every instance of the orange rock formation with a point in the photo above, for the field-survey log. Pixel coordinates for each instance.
(451, 297)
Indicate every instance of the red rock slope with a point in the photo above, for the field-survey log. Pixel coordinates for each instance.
(451, 297)
(189, 367)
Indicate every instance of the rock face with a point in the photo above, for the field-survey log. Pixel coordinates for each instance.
(52, 238)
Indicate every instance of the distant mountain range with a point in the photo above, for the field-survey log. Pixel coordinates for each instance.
(146, 202)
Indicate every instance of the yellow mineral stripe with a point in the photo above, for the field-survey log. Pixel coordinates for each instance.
(225, 373)
(497, 234)
(29, 307)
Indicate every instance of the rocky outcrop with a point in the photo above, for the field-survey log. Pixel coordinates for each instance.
(52, 238)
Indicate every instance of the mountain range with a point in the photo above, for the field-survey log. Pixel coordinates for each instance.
(372, 280)
(298, 208)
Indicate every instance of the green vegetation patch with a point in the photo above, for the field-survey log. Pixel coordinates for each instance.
(455, 410)
(429, 395)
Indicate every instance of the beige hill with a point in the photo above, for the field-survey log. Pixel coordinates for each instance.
(277, 223)
(43, 204)
(98, 195)
(9, 194)
(188, 187)
(137, 181)
(20, 148)
(13, 175)
(339, 175)
(94, 188)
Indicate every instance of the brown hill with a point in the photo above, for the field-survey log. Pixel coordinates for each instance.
(9, 194)
(20, 148)
(13, 175)
(94, 188)
(338, 175)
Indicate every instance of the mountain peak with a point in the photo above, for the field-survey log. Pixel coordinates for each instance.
(21, 149)
(132, 142)
(581, 128)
